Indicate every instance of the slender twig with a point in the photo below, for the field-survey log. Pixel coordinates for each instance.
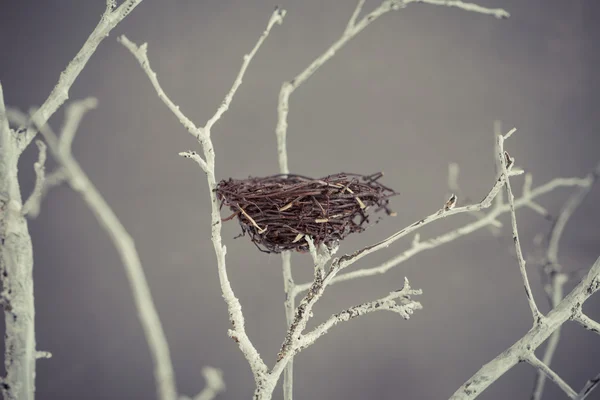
(554, 377)
(527, 344)
(506, 163)
(496, 12)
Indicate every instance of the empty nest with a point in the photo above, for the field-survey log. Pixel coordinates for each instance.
(278, 211)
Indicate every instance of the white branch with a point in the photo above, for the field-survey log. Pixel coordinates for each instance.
(60, 93)
(506, 163)
(350, 259)
(157, 342)
(33, 202)
(554, 377)
(564, 311)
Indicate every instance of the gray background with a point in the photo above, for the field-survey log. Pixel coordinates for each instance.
(416, 90)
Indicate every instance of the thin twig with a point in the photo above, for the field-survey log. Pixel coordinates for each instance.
(496, 12)
(554, 377)
(506, 164)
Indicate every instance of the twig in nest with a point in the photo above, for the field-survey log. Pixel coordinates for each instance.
(277, 211)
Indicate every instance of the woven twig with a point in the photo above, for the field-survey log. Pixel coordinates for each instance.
(278, 211)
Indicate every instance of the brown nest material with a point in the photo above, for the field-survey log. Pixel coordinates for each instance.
(278, 211)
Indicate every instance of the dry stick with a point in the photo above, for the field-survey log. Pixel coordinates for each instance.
(506, 163)
(557, 278)
(147, 314)
(516, 353)
(265, 386)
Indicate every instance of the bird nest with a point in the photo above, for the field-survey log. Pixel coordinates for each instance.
(278, 211)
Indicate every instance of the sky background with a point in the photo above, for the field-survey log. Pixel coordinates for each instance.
(416, 90)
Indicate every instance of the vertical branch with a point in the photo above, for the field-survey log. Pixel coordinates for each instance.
(123, 242)
(16, 268)
(557, 279)
(290, 300)
(507, 163)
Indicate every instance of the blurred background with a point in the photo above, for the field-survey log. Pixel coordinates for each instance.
(416, 90)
